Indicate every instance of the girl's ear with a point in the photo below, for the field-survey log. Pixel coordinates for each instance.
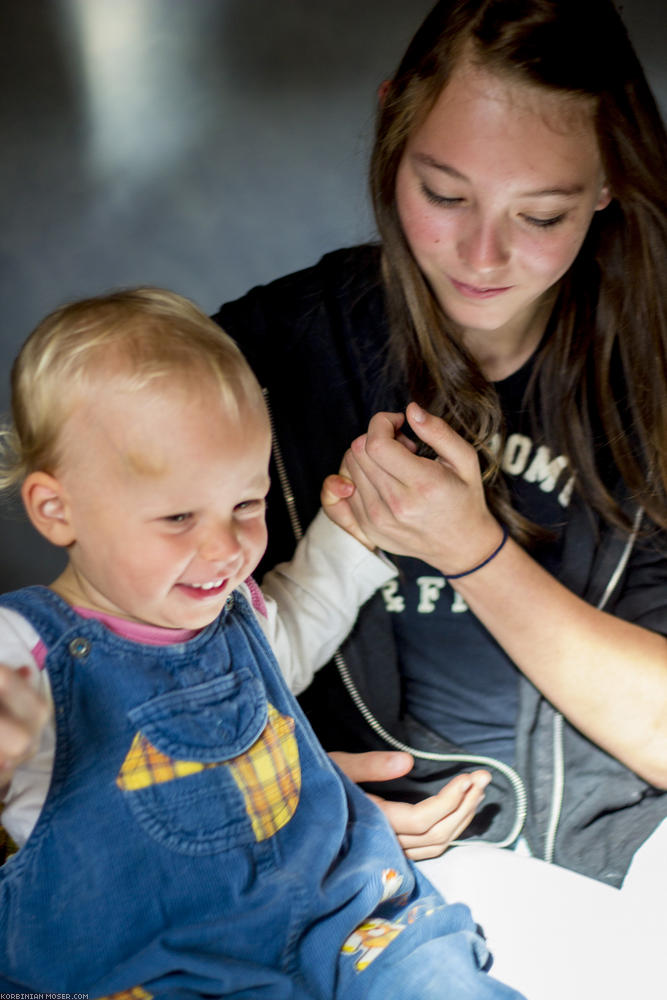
(46, 504)
(383, 90)
(604, 199)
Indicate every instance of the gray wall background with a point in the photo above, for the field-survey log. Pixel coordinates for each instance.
(202, 145)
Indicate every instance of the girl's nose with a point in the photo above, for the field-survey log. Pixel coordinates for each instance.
(220, 544)
(483, 246)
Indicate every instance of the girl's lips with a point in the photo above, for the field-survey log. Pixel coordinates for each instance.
(475, 292)
(199, 593)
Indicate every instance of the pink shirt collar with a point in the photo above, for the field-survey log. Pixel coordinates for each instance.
(150, 635)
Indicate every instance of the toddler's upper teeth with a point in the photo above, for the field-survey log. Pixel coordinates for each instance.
(207, 586)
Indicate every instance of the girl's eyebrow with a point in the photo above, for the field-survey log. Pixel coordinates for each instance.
(569, 191)
(430, 161)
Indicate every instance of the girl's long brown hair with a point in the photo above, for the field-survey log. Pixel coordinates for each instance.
(604, 364)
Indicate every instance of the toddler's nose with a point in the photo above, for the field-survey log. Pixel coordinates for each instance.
(220, 544)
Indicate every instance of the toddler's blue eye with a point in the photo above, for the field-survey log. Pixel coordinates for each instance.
(250, 506)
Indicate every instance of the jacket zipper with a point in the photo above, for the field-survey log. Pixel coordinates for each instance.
(558, 783)
(283, 479)
(513, 777)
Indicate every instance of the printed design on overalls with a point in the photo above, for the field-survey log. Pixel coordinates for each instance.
(371, 937)
(136, 993)
(391, 883)
(268, 774)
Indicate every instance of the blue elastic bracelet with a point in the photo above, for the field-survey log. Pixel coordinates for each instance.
(457, 576)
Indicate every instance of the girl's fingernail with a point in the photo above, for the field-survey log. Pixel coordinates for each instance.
(417, 413)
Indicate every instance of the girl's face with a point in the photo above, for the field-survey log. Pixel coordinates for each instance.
(165, 495)
(495, 192)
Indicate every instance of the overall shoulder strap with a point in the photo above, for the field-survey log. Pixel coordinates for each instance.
(49, 615)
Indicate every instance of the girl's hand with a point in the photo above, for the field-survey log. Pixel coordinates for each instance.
(336, 492)
(431, 509)
(424, 829)
(23, 715)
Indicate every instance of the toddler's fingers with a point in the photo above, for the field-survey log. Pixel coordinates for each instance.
(334, 488)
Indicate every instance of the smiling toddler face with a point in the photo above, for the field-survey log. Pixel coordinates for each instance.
(166, 494)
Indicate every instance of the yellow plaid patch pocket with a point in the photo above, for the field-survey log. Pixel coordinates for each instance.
(269, 776)
(145, 765)
(206, 814)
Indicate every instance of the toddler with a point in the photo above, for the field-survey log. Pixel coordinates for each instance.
(181, 833)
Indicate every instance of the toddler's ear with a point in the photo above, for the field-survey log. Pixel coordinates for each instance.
(46, 505)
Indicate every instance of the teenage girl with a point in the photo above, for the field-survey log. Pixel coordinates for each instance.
(515, 305)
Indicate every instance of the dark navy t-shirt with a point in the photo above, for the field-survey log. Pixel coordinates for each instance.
(457, 680)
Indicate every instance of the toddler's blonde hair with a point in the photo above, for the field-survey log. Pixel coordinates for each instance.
(135, 337)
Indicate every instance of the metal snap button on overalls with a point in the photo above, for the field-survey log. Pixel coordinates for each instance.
(79, 647)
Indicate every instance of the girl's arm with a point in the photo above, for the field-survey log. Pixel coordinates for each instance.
(606, 675)
(424, 829)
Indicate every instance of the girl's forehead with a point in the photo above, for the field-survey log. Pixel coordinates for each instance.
(472, 84)
(501, 119)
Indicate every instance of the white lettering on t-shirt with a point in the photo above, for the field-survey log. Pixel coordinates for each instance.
(565, 494)
(516, 454)
(544, 470)
(534, 465)
(429, 592)
(458, 604)
(393, 601)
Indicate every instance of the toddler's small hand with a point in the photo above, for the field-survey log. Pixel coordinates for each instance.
(23, 715)
(336, 490)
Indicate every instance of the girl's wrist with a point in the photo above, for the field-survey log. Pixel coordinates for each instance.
(484, 562)
(483, 545)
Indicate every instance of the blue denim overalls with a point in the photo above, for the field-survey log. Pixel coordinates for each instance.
(197, 842)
